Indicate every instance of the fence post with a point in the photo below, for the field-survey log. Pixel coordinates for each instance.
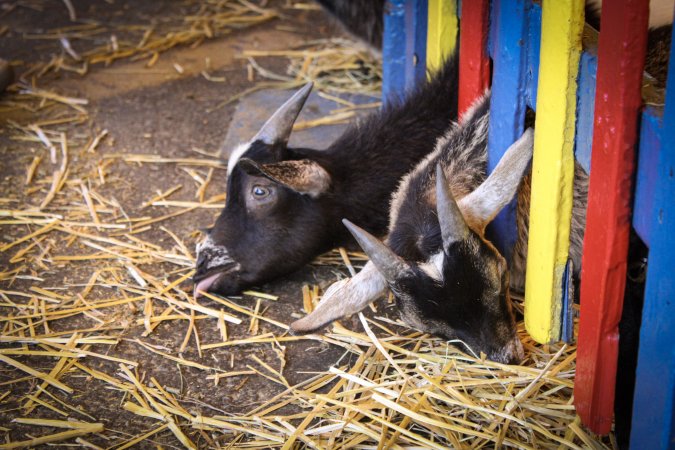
(621, 55)
(441, 31)
(415, 42)
(393, 49)
(552, 167)
(653, 420)
(474, 63)
(507, 103)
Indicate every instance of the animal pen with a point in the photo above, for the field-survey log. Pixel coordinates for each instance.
(587, 92)
(116, 352)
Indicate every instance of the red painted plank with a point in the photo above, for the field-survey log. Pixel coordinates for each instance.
(621, 56)
(474, 64)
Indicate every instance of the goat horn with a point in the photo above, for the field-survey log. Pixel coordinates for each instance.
(388, 263)
(453, 226)
(278, 127)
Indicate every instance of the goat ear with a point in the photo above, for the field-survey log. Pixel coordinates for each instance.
(304, 175)
(278, 128)
(483, 204)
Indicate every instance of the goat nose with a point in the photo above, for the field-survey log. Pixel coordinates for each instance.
(201, 262)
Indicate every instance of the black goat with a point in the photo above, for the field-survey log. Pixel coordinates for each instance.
(284, 205)
(447, 278)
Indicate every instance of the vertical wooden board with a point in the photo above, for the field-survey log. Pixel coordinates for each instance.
(442, 28)
(416, 42)
(621, 55)
(507, 104)
(651, 129)
(393, 49)
(583, 143)
(533, 53)
(653, 419)
(474, 64)
(552, 166)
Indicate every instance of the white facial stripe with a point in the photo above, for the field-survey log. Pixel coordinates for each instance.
(217, 254)
(236, 154)
(434, 266)
(219, 260)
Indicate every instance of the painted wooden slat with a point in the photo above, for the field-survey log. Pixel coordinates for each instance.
(507, 103)
(416, 42)
(621, 55)
(393, 49)
(583, 141)
(650, 145)
(474, 64)
(552, 167)
(653, 419)
(533, 53)
(442, 29)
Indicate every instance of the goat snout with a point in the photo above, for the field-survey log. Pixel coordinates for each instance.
(202, 264)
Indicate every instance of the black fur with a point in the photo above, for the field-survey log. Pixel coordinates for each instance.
(362, 18)
(416, 234)
(456, 308)
(471, 302)
(365, 165)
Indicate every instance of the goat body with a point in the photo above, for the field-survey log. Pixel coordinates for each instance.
(455, 288)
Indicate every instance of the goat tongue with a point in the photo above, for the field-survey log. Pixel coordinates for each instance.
(205, 284)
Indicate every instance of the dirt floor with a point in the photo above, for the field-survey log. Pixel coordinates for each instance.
(156, 111)
(109, 163)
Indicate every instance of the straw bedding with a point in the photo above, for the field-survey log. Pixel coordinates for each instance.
(85, 289)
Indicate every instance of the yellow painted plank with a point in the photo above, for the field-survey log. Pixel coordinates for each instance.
(552, 166)
(442, 29)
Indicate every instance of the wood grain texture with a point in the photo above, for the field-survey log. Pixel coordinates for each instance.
(393, 50)
(552, 167)
(508, 103)
(653, 425)
(442, 29)
(474, 63)
(621, 55)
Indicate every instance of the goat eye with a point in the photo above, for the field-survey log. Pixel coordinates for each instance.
(260, 191)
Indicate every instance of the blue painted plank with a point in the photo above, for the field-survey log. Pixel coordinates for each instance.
(533, 50)
(648, 158)
(653, 425)
(583, 141)
(420, 57)
(508, 105)
(492, 32)
(567, 310)
(416, 42)
(393, 50)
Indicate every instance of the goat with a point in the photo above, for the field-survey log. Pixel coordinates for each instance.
(284, 205)
(447, 278)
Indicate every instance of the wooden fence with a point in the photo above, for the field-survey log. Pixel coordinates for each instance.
(587, 91)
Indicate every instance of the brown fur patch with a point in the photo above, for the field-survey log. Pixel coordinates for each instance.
(304, 176)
